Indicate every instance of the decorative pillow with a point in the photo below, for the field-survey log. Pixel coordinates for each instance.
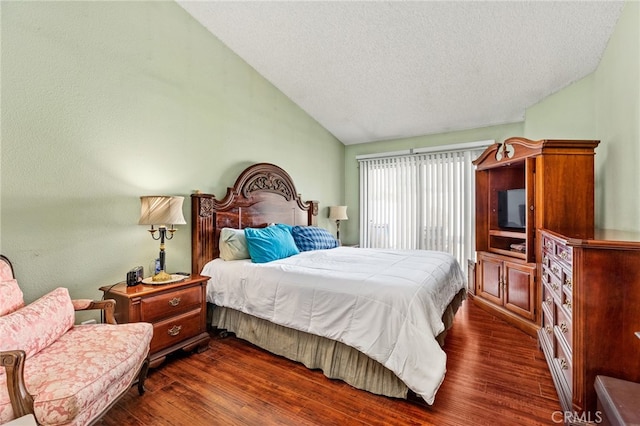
(11, 297)
(282, 225)
(233, 244)
(313, 238)
(270, 243)
(37, 325)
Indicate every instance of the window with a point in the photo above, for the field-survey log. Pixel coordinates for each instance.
(422, 199)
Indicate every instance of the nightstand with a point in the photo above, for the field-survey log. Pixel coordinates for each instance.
(177, 311)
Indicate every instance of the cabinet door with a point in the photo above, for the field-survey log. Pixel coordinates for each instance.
(490, 284)
(520, 289)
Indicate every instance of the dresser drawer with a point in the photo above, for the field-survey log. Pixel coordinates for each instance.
(567, 300)
(567, 304)
(546, 259)
(564, 253)
(548, 243)
(555, 268)
(174, 330)
(552, 284)
(548, 301)
(567, 284)
(548, 321)
(158, 307)
(563, 330)
(563, 363)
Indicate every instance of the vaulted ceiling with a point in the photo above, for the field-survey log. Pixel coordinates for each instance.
(379, 70)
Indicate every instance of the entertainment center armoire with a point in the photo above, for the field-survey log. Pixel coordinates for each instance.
(552, 274)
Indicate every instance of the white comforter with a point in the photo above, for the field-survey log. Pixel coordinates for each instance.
(386, 303)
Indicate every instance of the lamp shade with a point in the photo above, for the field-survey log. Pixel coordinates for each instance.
(338, 213)
(161, 210)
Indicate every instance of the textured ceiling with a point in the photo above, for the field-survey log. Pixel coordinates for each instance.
(370, 71)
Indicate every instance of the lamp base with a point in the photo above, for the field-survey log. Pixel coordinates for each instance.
(161, 276)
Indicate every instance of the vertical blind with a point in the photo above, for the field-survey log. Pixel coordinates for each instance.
(419, 201)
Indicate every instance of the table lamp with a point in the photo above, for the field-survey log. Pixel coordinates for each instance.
(338, 213)
(162, 211)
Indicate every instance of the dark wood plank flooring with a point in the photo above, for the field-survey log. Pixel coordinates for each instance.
(496, 376)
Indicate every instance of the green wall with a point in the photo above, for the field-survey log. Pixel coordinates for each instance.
(103, 102)
(605, 106)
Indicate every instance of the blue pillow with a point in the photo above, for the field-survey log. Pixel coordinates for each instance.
(270, 243)
(313, 238)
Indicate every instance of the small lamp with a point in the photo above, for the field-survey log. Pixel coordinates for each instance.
(161, 211)
(338, 213)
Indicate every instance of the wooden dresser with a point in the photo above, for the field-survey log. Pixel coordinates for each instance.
(590, 313)
(177, 311)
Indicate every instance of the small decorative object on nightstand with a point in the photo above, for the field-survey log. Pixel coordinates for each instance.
(177, 311)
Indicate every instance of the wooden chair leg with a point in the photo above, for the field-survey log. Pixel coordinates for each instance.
(142, 376)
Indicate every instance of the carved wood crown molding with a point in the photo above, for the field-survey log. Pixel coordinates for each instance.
(261, 177)
(506, 151)
(269, 182)
(206, 207)
(518, 148)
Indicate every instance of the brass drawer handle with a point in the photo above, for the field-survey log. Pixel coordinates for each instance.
(548, 244)
(567, 304)
(563, 364)
(555, 286)
(563, 327)
(564, 255)
(548, 329)
(175, 301)
(555, 270)
(568, 283)
(549, 300)
(175, 330)
(545, 259)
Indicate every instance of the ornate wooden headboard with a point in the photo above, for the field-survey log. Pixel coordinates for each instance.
(263, 193)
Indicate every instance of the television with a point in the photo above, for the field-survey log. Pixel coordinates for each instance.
(512, 209)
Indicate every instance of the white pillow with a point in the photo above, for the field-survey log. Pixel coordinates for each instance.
(233, 244)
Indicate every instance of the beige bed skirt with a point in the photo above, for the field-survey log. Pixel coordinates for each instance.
(335, 359)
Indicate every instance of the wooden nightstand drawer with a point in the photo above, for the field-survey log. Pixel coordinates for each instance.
(177, 311)
(176, 329)
(165, 305)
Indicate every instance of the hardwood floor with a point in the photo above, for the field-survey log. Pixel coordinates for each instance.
(495, 376)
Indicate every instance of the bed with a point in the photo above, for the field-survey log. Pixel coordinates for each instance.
(331, 309)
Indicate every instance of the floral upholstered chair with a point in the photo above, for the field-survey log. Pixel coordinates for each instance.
(64, 374)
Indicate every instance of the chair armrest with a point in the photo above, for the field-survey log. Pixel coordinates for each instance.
(21, 400)
(108, 306)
